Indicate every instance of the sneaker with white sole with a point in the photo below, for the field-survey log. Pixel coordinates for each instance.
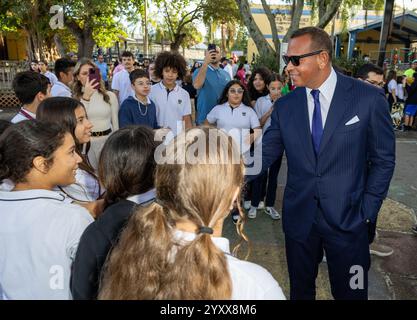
(261, 205)
(252, 213)
(380, 250)
(274, 214)
(246, 205)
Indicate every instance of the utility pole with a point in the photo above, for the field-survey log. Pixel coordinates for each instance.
(385, 30)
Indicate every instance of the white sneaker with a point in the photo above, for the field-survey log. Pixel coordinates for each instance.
(261, 205)
(246, 205)
(252, 213)
(274, 214)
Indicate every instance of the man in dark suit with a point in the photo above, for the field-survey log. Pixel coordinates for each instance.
(340, 147)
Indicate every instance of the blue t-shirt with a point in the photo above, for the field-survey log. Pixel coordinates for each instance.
(103, 70)
(209, 94)
(133, 112)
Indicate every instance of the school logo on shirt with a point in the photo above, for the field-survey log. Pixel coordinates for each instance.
(244, 114)
(179, 101)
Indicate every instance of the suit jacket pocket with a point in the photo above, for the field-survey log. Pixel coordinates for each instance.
(351, 127)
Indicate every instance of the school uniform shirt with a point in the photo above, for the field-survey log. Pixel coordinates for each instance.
(6, 185)
(97, 241)
(85, 188)
(121, 83)
(171, 106)
(235, 121)
(23, 115)
(249, 280)
(60, 89)
(52, 77)
(262, 106)
(400, 91)
(134, 112)
(39, 235)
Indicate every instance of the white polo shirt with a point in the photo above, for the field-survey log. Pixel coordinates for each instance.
(23, 115)
(51, 76)
(249, 280)
(235, 121)
(121, 83)
(39, 236)
(60, 89)
(262, 106)
(171, 106)
(85, 188)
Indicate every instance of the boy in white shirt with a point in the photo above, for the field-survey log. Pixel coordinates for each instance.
(173, 104)
(31, 88)
(64, 69)
(43, 66)
(120, 84)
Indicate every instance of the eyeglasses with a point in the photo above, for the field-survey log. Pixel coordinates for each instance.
(238, 91)
(295, 60)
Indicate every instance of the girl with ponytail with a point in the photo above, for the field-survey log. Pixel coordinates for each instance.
(173, 248)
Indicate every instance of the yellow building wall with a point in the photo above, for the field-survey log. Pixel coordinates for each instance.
(16, 45)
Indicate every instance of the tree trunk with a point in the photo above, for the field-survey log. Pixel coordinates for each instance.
(273, 24)
(330, 13)
(296, 13)
(223, 33)
(84, 39)
(264, 48)
(231, 33)
(59, 45)
(178, 39)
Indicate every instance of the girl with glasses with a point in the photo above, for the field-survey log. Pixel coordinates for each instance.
(234, 115)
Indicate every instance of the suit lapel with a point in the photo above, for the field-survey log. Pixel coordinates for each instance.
(338, 107)
(302, 124)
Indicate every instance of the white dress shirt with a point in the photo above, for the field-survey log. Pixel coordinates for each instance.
(39, 236)
(121, 82)
(60, 89)
(326, 95)
(249, 280)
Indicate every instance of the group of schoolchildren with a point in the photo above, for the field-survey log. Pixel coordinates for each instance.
(127, 226)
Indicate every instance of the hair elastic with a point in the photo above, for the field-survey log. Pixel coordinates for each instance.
(207, 230)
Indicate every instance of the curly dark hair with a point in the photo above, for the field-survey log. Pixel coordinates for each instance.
(245, 98)
(170, 59)
(265, 73)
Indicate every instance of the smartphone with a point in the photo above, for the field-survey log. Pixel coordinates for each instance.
(211, 46)
(95, 74)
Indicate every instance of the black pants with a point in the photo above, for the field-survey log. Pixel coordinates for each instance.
(266, 186)
(347, 258)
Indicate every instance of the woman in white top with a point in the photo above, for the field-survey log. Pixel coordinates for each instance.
(39, 230)
(101, 105)
(183, 230)
(71, 114)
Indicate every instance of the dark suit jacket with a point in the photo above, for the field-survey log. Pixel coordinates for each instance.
(350, 176)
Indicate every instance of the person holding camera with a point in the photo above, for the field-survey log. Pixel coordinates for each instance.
(210, 81)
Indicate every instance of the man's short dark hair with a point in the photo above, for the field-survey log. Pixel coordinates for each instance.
(363, 71)
(138, 73)
(319, 39)
(127, 54)
(28, 84)
(170, 59)
(223, 59)
(63, 65)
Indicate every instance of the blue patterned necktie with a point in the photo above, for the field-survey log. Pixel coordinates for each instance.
(317, 123)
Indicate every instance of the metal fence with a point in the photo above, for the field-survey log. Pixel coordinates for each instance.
(8, 70)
